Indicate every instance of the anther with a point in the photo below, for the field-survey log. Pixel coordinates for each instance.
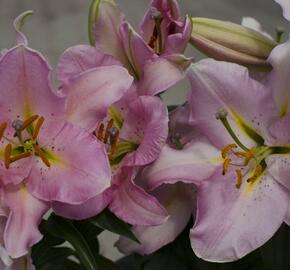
(101, 132)
(38, 125)
(227, 149)
(3, 127)
(7, 153)
(20, 156)
(41, 154)
(226, 165)
(258, 171)
(239, 178)
(114, 145)
(29, 121)
(108, 128)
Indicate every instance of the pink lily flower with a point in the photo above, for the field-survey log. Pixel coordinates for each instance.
(133, 129)
(286, 8)
(43, 157)
(155, 70)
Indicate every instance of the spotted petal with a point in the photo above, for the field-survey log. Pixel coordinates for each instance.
(26, 211)
(232, 222)
(79, 168)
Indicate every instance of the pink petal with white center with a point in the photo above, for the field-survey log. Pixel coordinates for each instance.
(133, 205)
(285, 4)
(78, 59)
(137, 51)
(279, 76)
(25, 86)
(26, 211)
(146, 125)
(233, 222)
(178, 200)
(88, 209)
(163, 72)
(79, 169)
(193, 164)
(226, 86)
(107, 31)
(93, 92)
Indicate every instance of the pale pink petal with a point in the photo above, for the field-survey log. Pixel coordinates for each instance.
(93, 92)
(25, 86)
(79, 168)
(226, 86)
(137, 51)
(85, 210)
(78, 59)
(26, 212)
(18, 23)
(178, 200)
(146, 125)
(233, 222)
(285, 4)
(133, 205)
(163, 72)
(192, 164)
(279, 76)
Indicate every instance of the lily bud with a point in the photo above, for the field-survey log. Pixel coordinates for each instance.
(227, 41)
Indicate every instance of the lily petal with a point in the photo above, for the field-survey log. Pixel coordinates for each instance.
(85, 210)
(193, 164)
(163, 72)
(78, 59)
(279, 76)
(26, 212)
(79, 169)
(233, 222)
(221, 85)
(91, 94)
(25, 86)
(178, 200)
(286, 8)
(133, 205)
(146, 125)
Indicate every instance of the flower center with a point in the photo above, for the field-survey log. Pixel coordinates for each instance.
(25, 147)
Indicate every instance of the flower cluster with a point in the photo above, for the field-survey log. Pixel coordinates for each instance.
(105, 139)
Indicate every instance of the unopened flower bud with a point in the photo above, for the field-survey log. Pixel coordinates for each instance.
(232, 42)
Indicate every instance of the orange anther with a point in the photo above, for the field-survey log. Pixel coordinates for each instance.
(227, 149)
(258, 171)
(20, 156)
(239, 178)
(226, 165)
(41, 154)
(7, 153)
(3, 126)
(114, 145)
(29, 121)
(101, 132)
(37, 127)
(107, 132)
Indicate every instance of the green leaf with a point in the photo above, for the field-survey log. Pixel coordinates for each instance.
(106, 264)
(108, 221)
(65, 229)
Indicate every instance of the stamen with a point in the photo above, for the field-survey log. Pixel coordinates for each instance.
(227, 149)
(239, 178)
(38, 125)
(29, 121)
(258, 171)
(246, 155)
(3, 127)
(101, 132)
(114, 145)
(7, 153)
(108, 128)
(226, 165)
(41, 154)
(20, 156)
